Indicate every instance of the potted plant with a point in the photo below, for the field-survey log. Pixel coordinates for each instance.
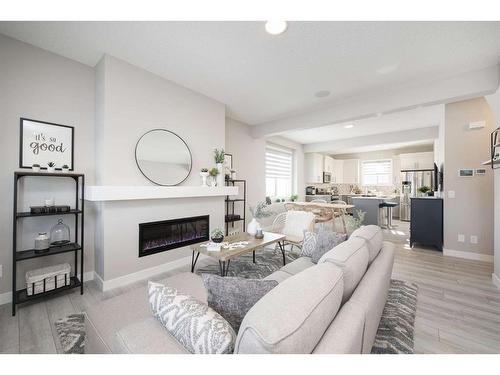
(219, 156)
(260, 211)
(214, 172)
(294, 197)
(217, 235)
(65, 168)
(423, 190)
(35, 167)
(51, 166)
(204, 174)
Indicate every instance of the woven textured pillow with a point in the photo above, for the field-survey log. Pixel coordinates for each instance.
(194, 325)
(233, 297)
(308, 244)
(325, 241)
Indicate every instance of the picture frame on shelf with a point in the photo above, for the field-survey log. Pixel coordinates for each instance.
(41, 142)
(228, 161)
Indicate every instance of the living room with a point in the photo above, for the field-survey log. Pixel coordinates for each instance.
(297, 198)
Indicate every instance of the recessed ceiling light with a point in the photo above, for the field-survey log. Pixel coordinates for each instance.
(276, 27)
(322, 94)
(349, 126)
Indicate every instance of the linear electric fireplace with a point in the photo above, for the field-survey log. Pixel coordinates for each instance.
(159, 236)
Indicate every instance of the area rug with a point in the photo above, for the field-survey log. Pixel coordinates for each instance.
(71, 332)
(396, 328)
(394, 335)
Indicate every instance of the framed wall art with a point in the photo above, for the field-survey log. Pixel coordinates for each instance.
(43, 142)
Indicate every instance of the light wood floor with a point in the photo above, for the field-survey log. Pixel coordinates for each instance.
(458, 308)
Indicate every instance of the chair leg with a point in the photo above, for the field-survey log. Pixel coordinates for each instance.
(282, 248)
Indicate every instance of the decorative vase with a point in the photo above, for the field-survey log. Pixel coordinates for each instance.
(50, 169)
(217, 239)
(65, 170)
(213, 182)
(204, 176)
(35, 168)
(253, 226)
(259, 234)
(221, 175)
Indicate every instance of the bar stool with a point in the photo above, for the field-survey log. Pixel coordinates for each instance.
(389, 206)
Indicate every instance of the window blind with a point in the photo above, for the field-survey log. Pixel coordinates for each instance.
(376, 172)
(279, 171)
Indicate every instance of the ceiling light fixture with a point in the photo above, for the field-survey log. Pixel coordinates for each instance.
(322, 94)
(349, 126)
(276, 27)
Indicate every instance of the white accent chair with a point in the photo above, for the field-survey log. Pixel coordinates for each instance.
(293, 224)
(318, 201)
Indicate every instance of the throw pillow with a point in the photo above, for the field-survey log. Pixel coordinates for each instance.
(308, 244)
(325, 241)
(195, 325)
(233, 297)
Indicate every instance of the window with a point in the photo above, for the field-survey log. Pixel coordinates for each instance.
(279, 166)
(376, 172)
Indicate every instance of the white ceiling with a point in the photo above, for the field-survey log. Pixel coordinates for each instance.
(412, 119)
(261, 77)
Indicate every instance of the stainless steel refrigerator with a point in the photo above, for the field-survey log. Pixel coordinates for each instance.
(411, 181)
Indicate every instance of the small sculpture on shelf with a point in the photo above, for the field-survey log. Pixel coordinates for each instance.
(204, 174)
(35, 167)
(65, 168)
(42, 243)
(51, 166)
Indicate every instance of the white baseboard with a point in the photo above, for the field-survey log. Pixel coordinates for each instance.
(106, 285)
(468, 255)
(7, 297)
(496, 280)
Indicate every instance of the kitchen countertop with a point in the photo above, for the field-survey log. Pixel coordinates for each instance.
(375, 198)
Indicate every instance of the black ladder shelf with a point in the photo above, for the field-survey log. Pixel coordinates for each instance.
(230, 205)
(21, 296)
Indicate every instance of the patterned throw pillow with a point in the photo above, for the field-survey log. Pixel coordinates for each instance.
(308, 244)
(326, 240)
(195, 325)
(233, 297)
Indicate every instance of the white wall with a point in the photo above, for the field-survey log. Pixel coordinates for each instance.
(471, 211)
(40, 85)
(249, 161)
(132, 101)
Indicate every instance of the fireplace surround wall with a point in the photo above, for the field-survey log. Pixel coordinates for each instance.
(159, 236)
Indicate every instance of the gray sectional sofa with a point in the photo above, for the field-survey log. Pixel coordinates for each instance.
(331, 307)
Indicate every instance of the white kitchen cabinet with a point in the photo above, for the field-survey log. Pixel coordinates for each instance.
(351, 171)
(328, 164)
(338, 171)
(417, 160)
(314, 165)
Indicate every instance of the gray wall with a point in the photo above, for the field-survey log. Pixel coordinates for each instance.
(471, 211)
(40, 85)
(130, 102)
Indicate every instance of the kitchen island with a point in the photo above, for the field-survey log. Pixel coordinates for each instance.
(370, 206)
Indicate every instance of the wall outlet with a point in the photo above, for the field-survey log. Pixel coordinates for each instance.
(473, 239)
(461, 238)
(451, 194)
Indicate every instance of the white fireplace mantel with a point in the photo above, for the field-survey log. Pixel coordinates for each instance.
(123, 193)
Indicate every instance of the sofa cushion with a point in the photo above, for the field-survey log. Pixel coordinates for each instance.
(232, 297)
(373, 236)
(352, 257)
(148, 336)
(326, 240)
(298, 265)
(105, 318)
(309, 244)
(278, 276)
(196, 326)
(293, 316)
